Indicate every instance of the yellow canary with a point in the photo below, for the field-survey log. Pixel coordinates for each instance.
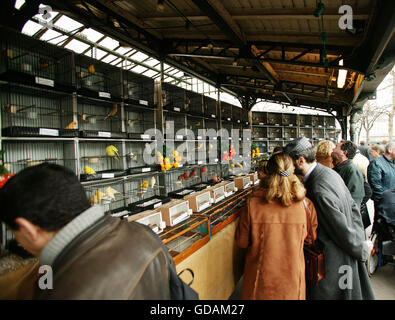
(239, 165)
(232, 165)
(175, 164)
(97, 197)
(89, 170)
(71, 125)
(168, 165)
(162, 166)
(144, 185)
(91, 69)
(110, 192)
(175, 153)
(112, 152)
(152, 182)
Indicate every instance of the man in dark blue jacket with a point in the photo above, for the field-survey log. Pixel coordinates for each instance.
(381, 172)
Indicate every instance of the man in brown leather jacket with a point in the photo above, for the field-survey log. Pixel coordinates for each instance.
(91, 255)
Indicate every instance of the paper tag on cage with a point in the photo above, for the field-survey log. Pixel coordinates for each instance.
(48, 132)
(177, 109)
(143, 102)
(104, 95)
(145, 136)
(107, 175)
(213, 116)
(145, 169)
(157, 204)
(104, 134)
(45, 82)
(179, 137)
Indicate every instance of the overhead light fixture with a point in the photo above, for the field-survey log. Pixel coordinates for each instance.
(320, 9)
(160, 6)
(341, 78)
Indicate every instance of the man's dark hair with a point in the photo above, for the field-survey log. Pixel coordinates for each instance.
(48, 195)
(350, 147)
(308, 154)
(362, 143)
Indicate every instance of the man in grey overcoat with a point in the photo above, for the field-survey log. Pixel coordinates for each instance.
(340, 232)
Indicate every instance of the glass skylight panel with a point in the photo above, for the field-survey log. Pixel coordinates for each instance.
(77, 46)
(179, 74)
(150, 73)
(139, 69)
(53, 36)
(139, 56)
(109, 43)
(109, 58)
(123, 50)
(19, 4)
(115, 62)
(68, 24)
(152, 63)
(30, 28)
(92, 35)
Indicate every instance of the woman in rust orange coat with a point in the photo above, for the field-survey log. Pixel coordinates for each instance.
(273, 227)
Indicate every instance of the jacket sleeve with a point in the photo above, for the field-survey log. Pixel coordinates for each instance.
(242, 234)
(355, 185)
(374, 178)
(314, 221)
(346, 236)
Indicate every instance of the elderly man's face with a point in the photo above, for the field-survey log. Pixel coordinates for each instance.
(338, 155)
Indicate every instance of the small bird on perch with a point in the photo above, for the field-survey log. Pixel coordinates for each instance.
(112, 112)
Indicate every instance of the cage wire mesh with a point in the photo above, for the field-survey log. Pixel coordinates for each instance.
(138, 88)
(210, 107)
(193, 103)
(173, 98)
(139, 120)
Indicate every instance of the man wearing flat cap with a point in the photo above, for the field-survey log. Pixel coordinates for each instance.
(340, 232)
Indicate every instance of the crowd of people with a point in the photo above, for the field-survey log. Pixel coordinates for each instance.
(336, 181)
(306, 195)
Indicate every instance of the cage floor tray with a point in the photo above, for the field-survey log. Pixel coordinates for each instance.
(105, 174)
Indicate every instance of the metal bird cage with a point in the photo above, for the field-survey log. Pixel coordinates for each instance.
(173, 98)
(196, 125)
(306, 132)
(305, 120)
(29, 111)
(176, 123)
(138, 121)
(274, 119)
(30, 61)
(318, 121)
(290, 119)
(193, 103)
(97, 79)
(259, 118)
(226, 112)
(210, 107)
(99, 118)
(20, 154)
(259, 133)
(290, 133)
(330, 122)
(138, 89)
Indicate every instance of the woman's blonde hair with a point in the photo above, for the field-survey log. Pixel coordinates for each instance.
(281, 183)
(325, 148)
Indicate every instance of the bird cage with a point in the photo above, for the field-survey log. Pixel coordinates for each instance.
(331, 134)
(182, 178)
(210, 173)
(318, 133)
(193, 103)
(134, 155)
(100, 159)
(259, 133)
(34, 62)
(262, 146)
(306, 132)
(109, 195)
(176, 123)
(97, 79)
(143, 192)
(29, 111)
(210, 107)
(290, 119)
(196, 125)
(173, 98)
(330, 122)
(245, 119)
(138, 121)
(211, 125)
(273, 144)
(237, 116)
(290, 133)
(20, 154)
(259, 118)
(226, 112)
(99, 118)
(305, 120)
(138, 89)
(318, 121)
(274, 119)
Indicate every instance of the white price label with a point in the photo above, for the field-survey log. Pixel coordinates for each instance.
(261, 123)
(177, 109)
(48, 132)
(143, 102)
(200, 162)
(145, 169)
(104, 95)
(107, 175)
(45, 82)
(199, 138)
(104, 134)
(213, 116)
(179, 137)
(157, 204)
(145, 136)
